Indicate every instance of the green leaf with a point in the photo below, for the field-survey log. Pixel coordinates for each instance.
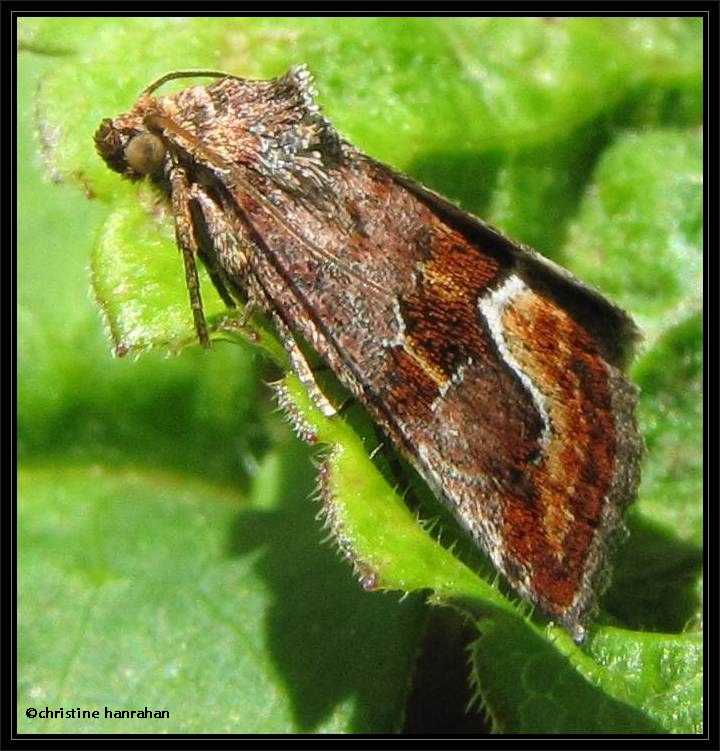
(644, 203)
(670, 375)
(136, 271)
(197, 600)
(163, 494)
(632, 682)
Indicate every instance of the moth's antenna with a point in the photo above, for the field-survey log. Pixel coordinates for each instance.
(185, 74)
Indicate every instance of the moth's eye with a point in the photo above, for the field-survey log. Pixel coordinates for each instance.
(144, 153)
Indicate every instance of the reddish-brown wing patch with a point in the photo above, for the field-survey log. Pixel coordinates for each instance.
(572, 481)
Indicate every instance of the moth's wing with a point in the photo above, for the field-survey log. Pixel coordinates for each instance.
(495, 387)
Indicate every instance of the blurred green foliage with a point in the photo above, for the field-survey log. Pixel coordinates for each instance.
(169, 553)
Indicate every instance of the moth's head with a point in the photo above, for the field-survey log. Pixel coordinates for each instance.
(128, 147)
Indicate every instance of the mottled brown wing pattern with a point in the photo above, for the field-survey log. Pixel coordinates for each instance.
(500, 399)
(495, 373)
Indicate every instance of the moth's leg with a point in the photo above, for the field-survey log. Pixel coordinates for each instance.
(302, 368)
(348, 402)
(211, 235)
(226, 250)
(181, 198)
(297, 359)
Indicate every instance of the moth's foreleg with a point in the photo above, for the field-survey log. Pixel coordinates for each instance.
(302, 368)
(216, 241)
(181, 198)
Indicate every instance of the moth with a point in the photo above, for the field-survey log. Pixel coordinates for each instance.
(496, 373)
